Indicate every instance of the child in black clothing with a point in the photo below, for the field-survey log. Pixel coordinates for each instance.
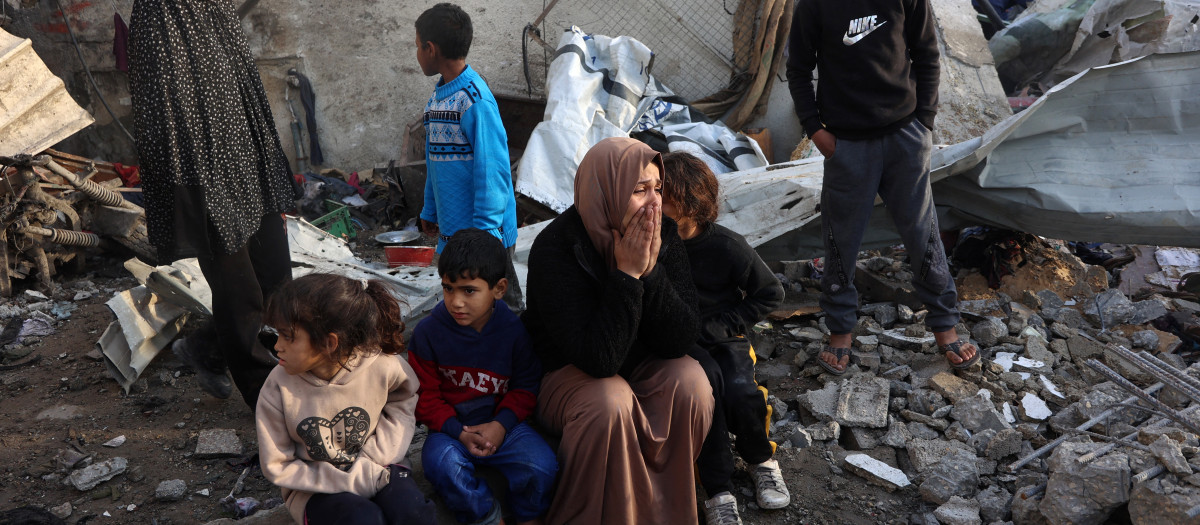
(735, 290)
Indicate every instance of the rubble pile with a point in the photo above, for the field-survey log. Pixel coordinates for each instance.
(1042, 431)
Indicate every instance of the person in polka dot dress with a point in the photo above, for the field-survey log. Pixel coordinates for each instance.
(214, 176)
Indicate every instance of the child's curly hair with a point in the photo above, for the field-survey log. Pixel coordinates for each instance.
(691, 187)
(365, 315)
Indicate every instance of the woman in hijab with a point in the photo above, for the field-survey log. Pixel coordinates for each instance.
(612, 315)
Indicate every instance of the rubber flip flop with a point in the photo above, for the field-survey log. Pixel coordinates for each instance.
(838, 353)
(957, 347)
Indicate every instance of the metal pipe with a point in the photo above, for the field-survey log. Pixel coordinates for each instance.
(1133, 389)
(1086, 425)
(1109, 447)
(1032, 492)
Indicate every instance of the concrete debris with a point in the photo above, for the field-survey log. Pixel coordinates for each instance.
(863, 402)
(1006, 443)
(1084, 492)
(994, 502)
(218, 443)
(956, 473)
(822, 403)
(952, 387)
(87, 478)
(977, 413)
(897, 435)
(827, 432)
(876, 471)
(1032, 408)
(1161, 501)
(115, 442)
(959, 511)
(170, 490)
(800, 438)
(1168, 453)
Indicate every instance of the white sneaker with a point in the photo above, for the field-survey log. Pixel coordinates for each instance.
(768, 480)
(721, 510)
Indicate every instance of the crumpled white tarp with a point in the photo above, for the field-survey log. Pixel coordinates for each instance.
(599, 87)
(1109, 155)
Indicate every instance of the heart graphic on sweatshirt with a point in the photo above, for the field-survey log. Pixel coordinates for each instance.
(338, 440)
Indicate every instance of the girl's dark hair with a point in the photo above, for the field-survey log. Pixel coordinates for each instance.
(691, 187)
(322, 303)
(448, 26)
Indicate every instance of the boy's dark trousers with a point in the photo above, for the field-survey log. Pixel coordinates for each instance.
(741, 408)
(896, 166)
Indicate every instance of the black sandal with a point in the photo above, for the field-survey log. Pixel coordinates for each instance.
(838, 353)
(957, 347)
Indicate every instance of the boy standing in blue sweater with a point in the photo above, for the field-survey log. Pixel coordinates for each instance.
(479, 382)
(468, 179)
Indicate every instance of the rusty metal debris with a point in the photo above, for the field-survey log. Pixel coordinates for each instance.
(45, 224)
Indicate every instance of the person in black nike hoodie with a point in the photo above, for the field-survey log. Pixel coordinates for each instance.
(871, 116)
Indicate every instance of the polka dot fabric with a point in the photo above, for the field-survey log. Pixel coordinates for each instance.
(205, 134)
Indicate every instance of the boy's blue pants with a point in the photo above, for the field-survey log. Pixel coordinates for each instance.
(524, 459)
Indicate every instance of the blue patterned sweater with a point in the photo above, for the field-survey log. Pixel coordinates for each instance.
(468, 181)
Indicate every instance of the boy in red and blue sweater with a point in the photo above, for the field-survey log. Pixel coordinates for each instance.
(479, 382)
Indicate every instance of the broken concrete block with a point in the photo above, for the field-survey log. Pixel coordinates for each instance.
(921, 430)
(1035, 349)
(1005, 443)
(885, 315)
(1084, 493)
(218, 443)
(1147, 339)
(1065, 316)
(87, 478)
(956, 473)
(988, 331)
(1108, 308)
(1049, 299)
(1082, 348)
(115, 442)
(977, 413)
(1161, 501)
(994, 503)
(1148, 310)
(62, 511)
(1026, 511)
(170, 490)
(1149, 435)
(924, 453)
(858, 438)
(897, 435)
(952, 387)
(1032, 408)
(938, 424)
(800, 438)
(958, 511)
(867, 360)
(863, 402)
(829, 431)
(1168, 453)
(904, 313)
(876, 471)
(807, 335)
(896, 337)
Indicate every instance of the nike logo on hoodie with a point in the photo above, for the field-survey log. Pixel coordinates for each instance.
(860, 28)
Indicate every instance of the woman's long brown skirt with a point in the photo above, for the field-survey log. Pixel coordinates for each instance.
(627, 446)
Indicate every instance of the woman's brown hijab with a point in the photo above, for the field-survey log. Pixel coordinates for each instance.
(604, 183)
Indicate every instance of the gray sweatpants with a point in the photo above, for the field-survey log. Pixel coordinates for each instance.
(896, 166)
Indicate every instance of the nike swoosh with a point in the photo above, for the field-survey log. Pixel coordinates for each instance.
(851, 40)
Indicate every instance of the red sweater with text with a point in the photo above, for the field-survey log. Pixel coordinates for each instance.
(471, 378)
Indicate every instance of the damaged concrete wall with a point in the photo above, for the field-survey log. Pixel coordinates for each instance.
(360, 59)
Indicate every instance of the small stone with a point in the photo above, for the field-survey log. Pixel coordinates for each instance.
(82, 296)
(868, 360)
(988, 331)
(897, 435)
(977, 413)
(993, 503)
(170, 490)
(62, 511)
(1147, 339)
(1049, 299)
(1005, 443)
(800, 438)
(921, 431)
(825, 432)
(115, 442)
(877, 471)
(87, 478)
(904, 313)
(897, 338)
(218, 443)
(807, 335)
(952, 387)
(202, 492)
(958, 511)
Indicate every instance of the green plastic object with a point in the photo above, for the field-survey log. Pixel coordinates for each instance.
(337, 221)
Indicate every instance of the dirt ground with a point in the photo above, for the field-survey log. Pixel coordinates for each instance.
(66, 401)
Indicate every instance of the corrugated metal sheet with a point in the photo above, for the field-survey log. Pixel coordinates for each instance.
(35, 109)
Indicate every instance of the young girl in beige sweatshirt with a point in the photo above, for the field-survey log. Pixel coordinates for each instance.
(335, 417)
